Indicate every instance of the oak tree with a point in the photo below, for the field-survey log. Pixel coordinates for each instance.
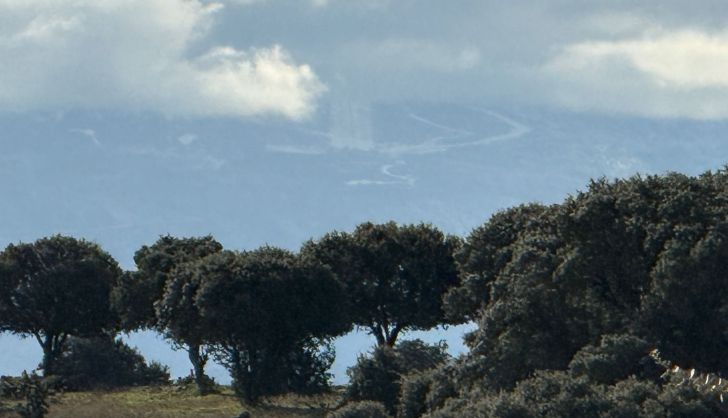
(54, 288)
(394, 275)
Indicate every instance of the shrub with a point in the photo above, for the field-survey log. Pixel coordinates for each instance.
(426, 390)
(561, 393)
(104, 362)
(304, 369)
(413, 395)
(378, 377)
(308, 367)
(362, 409)
(34, 392)
(550, 394)
(615, 358)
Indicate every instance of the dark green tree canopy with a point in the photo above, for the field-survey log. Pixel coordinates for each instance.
(104, 363)
(160, 294)
(140, 290)
(265, 307)
(395, 276)
(488, 251)
(378, 376)
(588, 286)
(54, 288)
(643, 256)
(286, 298)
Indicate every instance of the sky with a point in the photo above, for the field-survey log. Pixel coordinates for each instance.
(282, 58)
(275, 121)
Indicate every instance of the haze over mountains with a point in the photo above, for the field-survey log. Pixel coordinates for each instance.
(123, 179)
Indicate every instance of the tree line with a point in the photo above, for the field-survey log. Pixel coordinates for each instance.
(572, 302)
(268, 315)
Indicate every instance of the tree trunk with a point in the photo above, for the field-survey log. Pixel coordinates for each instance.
(52, 346)
(379, 335)
(241, 380)
(392, 336)
(198, 361)
(48, 363)
(252, 392)
(386, 336)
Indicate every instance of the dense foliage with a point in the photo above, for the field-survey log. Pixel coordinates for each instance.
(570, 298)
(105, 362)
(158, 296)
(265, 311)
(570, 301)
(378, 376)
(140, 290)
(54, 288)
(394, 275)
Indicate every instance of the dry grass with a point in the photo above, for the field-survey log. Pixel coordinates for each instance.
(174, 402)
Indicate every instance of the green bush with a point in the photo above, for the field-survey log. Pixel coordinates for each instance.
(615, 358)
(304, 369)
(34, 392)
(362, 409)
(378, 377)
(413, 395)
(307, 371)
(427, 390)
(104, 362)
(559, 393)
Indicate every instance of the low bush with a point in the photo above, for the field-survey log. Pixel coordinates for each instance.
(105, 363)
(34, 392)
(615, 358)
(303, 370)
(361, 409)
(378, 377)
(596, 385)
(426, 390)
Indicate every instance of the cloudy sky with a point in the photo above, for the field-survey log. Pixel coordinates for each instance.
(275, 121)
(243, 58)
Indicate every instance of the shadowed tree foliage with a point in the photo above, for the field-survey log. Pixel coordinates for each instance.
(159, 295)
(586, 286)
(54, 288)
(267, 309)
(178, 318)
(394, 276)
(526, 322)
(648, 256)
(106, 363)
(140, 290)
(487, 251)
(378, 376)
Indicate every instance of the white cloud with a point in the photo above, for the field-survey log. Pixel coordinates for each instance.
(141, 55)
(682, 73)
(686, 59)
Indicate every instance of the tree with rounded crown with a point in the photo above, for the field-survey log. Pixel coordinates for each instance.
(157, 296)
(54, 288)
(265, 308)
(395, 276)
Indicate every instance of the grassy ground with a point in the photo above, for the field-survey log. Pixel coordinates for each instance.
(169, 402)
